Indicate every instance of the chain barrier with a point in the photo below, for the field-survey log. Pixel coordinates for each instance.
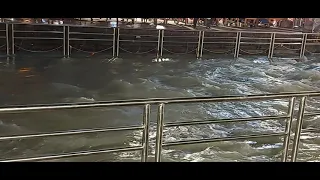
(3, 46)
(217, 52)
(251, 53)
(290, 48)
(138, 51)
(33, 51)
(311, 52)
(89, 52)
(179, 53)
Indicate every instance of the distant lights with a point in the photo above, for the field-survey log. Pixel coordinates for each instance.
(160, 27)
(113, 24)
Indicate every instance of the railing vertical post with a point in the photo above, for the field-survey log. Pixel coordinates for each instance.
(118, 41)
(7, 40)
(236, 54)
(288, 130)
(296, 139)
(161, 49)
(64, 41)
(271, 47)
(239, 42)
(201, 47)
(12, 40)
(145, 135)
(68, 41)
(199, 44)
(159, 137)
(303, 44)
(114, 43)
(274, 40)
(159, 44)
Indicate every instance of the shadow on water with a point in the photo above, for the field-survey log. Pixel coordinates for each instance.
(36, 80)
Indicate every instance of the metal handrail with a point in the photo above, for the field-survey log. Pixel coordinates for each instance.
(143, 147)
(40, 31)
(71, 132)
(74, 154)
(241, 38)
(152, 101)
(90, 33)
(161, 125)
(188, 123)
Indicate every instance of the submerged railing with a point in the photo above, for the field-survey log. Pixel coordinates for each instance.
(116, 41)
(161, 124)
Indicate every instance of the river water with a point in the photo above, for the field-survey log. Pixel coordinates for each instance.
(38, 80)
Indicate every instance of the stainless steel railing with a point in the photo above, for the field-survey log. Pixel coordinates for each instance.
(3, 36)
(143, 148)
(161, 124)
(286, 134)
(163, 42)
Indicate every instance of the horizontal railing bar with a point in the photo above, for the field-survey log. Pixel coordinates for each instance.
(275, 32)
(254, 38)
(254, 32)
(54, 32)
(313, 43)
(2, 30)
(288, 33)
(219, 37)
(188, 123)
(200, 141)
(212, 32)
(87, 26)
(255, 43)
(166, 36)
(137, 41)
(179, 30)
(71, 132)
(134, 102)
(219, 42)
(91, 33)
(300, 39)
(313, 33)
(289, 43)
(2, 37)
(74, 154)
(79, 39)
(45, 38)
(312, 114)
(179, 42)
(147, 35)
(135, 29)
(313, 40)
(310, 130)
(36, 24)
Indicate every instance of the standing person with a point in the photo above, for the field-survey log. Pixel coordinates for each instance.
(195, 21)
(155, 21)
(213, 21)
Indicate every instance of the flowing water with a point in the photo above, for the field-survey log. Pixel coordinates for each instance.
(38, 80)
